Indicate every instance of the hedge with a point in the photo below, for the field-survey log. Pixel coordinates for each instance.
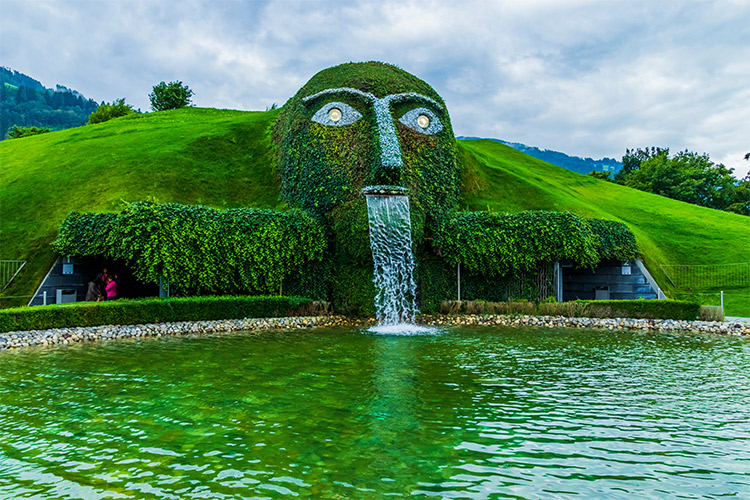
(639, 308)
(616, 242)
(496, 244)
(199, 250)
(645, 308)
(131, 312)
(139, 311)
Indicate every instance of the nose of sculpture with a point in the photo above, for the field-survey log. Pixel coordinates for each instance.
(388, 169)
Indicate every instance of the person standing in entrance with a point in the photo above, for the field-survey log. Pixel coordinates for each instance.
(101, 281)
(111, 289)
(118, 282)
(93, 294)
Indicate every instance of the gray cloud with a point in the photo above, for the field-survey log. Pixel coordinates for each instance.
(585, 77)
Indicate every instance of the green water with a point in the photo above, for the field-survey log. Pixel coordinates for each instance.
(467, 413)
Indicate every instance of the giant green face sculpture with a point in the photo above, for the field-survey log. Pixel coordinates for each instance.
(364, 124)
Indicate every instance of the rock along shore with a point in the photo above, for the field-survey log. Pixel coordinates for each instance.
(650, 325)
(11, 340)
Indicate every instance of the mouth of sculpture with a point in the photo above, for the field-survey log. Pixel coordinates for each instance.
(384, 191)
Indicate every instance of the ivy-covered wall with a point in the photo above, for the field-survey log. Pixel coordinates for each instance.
(495, 244)
(199, 250)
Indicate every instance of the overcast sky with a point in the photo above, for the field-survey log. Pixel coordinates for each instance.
(586, 77)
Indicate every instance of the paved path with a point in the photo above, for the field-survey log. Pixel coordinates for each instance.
(736, 319)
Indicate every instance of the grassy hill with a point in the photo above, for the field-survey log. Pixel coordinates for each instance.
(223, 158)
(212, 157)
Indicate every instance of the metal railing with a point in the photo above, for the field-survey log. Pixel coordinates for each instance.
(705, 277)
(9, 269)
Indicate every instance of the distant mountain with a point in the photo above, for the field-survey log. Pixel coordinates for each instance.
(18, 79)
(25, 102)
(574, 163)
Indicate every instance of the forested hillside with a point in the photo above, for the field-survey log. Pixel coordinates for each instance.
(27, 103)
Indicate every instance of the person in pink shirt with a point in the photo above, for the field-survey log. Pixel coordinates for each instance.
(111, 289)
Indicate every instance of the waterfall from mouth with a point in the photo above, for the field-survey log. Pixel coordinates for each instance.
(390, 240)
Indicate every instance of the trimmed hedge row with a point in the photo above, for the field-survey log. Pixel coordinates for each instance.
(644, 308)
(133, 312)
(638, 309)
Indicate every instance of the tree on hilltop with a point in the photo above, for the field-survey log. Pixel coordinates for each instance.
(107, 111)
(686, 176)
(633, 158)
(172, 95)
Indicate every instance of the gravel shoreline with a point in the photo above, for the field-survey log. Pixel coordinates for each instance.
(12, 340)
(651, 325)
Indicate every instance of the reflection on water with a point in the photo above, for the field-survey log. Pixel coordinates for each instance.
(404, 329)
(468, 413)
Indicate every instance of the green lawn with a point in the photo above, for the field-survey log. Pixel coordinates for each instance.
(499, 178)
(224, 158)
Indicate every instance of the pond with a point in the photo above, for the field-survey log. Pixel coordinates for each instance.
(473, 413)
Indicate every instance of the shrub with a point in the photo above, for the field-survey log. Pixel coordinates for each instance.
(483, 307)
(17, 132)
(107, 111)
(567, 309)
(172, 95)
(153, 310)
(600, 175)
(616, 242)
(711, 313)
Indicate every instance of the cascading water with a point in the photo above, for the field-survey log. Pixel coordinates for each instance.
(390, 240)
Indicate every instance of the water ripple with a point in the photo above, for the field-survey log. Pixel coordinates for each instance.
(467, 413)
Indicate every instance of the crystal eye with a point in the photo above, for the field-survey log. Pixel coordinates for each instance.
(422, 120)
(336, 114)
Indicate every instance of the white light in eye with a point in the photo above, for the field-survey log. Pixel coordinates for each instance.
(423, 121)
(334, 114)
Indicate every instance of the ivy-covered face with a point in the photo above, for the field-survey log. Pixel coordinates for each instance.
(365, 124)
